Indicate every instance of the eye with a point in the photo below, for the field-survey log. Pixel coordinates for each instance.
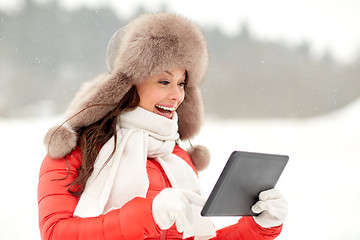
(183, 84)
(164, 82)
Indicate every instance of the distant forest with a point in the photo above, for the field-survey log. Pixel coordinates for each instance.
(46, 52)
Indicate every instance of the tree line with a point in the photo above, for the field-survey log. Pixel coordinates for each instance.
(46, 52)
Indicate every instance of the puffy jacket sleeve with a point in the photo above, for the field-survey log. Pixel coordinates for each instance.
(247, 229)
(56, 207)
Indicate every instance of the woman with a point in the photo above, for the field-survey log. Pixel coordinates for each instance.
(114, 170)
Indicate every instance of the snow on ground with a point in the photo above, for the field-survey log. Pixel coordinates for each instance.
(321, 180)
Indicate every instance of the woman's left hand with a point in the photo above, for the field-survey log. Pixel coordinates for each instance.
(272, 207)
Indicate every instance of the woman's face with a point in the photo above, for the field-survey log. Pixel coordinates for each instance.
(163, 93)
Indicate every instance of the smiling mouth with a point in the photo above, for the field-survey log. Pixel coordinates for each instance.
(165, 111)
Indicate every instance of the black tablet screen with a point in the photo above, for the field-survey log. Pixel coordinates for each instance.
(244, 176)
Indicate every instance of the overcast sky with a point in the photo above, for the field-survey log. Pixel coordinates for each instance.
(326, 24)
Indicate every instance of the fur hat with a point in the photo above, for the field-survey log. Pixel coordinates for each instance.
(147, 46)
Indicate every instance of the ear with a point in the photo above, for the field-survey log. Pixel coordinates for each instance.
(200, 156)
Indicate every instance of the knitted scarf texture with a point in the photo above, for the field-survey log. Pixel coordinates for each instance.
(141, 135)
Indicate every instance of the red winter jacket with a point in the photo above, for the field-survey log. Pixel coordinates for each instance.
(132, 221)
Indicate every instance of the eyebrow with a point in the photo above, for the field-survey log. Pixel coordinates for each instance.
(170, 73)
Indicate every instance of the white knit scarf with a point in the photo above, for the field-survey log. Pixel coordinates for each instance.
(141, 134)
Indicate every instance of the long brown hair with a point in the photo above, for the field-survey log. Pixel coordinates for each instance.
(93, 137)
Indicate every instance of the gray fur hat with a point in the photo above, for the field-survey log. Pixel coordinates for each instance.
(148, 45)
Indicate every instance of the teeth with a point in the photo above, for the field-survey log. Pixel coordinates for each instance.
(166, 108)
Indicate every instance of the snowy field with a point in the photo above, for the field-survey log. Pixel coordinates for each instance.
(321, 180)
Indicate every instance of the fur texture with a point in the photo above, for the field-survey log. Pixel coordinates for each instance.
(97, 98)
(200, 156)
(149, 45)
(60, 140)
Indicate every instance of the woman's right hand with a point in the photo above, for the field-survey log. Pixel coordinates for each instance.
(173, 206)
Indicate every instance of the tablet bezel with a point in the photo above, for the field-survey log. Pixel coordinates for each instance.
(244, 176)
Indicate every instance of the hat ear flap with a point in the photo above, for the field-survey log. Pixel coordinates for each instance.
(97, 98)
(190, 113)
(94, 100)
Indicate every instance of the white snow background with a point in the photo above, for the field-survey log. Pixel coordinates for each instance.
(321, 181)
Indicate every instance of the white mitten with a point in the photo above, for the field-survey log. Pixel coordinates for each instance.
(272, 207)
(173, 206)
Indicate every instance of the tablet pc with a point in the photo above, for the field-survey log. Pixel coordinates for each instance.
(244, 176)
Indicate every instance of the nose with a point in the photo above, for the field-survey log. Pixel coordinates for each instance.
(176, 93)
